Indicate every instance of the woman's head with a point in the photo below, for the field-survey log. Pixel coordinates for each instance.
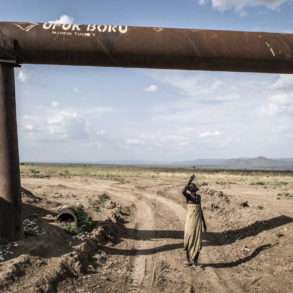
(192, 187)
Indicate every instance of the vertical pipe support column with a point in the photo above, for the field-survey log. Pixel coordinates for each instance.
(10, 188)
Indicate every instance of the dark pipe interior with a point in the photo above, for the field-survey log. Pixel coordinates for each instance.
(66, 217)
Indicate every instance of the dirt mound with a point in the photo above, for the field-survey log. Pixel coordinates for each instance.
(215, 201)
(49, 254)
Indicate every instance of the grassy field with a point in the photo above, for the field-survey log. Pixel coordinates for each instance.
(265, 179)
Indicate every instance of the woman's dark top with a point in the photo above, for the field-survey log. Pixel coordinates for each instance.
(191, 197)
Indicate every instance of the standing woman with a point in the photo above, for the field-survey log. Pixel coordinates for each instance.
(195, 223)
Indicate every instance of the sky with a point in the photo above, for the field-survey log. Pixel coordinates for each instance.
(91, 114)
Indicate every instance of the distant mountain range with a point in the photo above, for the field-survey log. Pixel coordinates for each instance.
(258, 163)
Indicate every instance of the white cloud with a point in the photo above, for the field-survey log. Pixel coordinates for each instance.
(151, 88)
(22, 75)
(278, 107)
(99, 111)
(284, 83)
(28, 127)
(29, 124)
(63, 19)
(201, 86)
(210, 133)
(67, 125)
(280, 101)
(55, 104)
(101, 132)
(279, 104)
(54, 123)
(135, 141)
(240, 5)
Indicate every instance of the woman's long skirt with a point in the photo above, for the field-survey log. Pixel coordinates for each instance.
(193, 230)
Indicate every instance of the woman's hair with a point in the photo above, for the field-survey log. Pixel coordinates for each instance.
(192, 187)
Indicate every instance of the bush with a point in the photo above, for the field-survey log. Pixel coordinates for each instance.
(103, 198)
(84, 223)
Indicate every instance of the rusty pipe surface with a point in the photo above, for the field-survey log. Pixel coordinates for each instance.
(146, 47)
(10, 196)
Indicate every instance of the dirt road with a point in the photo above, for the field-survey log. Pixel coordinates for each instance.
(248, 246)
(232, 260)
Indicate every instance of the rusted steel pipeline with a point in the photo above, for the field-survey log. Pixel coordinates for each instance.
(152, 47)
(10, 198)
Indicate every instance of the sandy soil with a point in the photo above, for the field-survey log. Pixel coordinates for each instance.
(248, 246)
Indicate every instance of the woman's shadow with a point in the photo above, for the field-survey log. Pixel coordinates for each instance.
(230, 236)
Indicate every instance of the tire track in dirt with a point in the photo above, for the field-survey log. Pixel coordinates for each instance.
(151, 247)
(144, 265)
(144, 220)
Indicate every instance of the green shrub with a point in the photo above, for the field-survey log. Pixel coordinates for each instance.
(85, 222)
(261, 183)
(103, 198)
